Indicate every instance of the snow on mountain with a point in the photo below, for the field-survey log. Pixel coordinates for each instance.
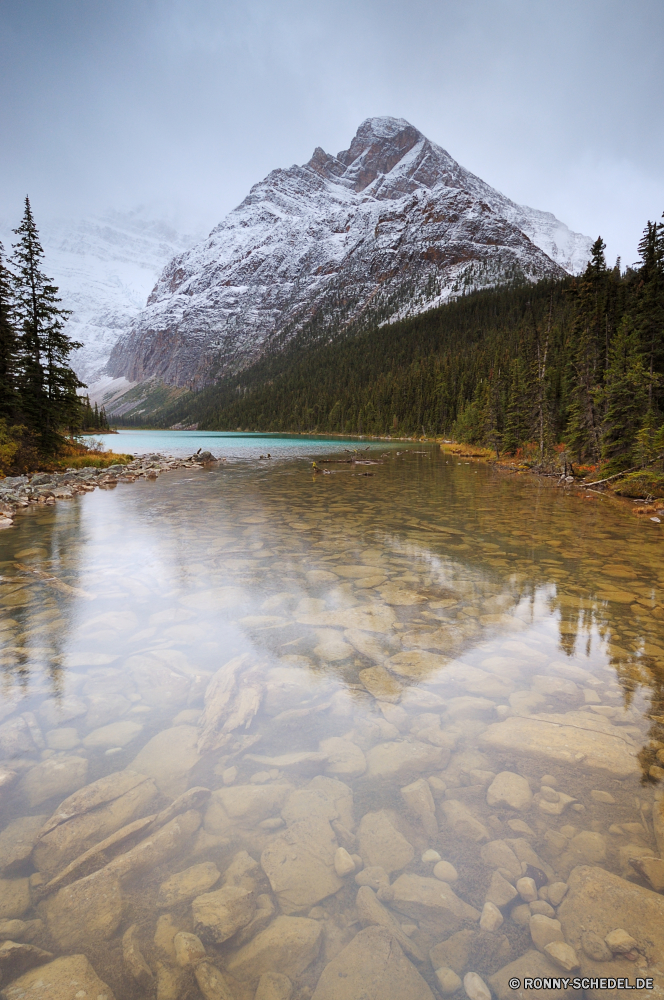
(387, 228)
(105, 268)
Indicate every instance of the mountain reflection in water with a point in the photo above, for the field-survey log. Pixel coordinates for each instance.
(267, 696)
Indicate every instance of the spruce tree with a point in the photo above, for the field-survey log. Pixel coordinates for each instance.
(47, 383)
(8, 345)
(587, 356)
(624, 396)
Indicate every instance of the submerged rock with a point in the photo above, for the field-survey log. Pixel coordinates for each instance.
(68, 978)
(373, 967)
(218, 915)
(17, 841)
(404, 760)
(433, 901)
(601, 902)
(274, 986)
(168, 758)
(54, 776)
(462, 821)
(569, 738)
(185, 885)
(135, 965)
(381, 845)
(90, 815)
(511, 790)
(370, 910)
(300, 864)
(14, 898)
(535, 965)
(288, 946)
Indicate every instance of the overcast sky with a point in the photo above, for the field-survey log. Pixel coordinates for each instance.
(182, 105)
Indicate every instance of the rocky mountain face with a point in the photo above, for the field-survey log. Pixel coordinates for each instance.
(387, 228)
(104, 267)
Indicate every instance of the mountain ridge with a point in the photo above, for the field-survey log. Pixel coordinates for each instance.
(388, 228)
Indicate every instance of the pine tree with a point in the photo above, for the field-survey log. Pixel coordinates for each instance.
(650, 307)
(47, 384)
(518, 408)
(8, 344)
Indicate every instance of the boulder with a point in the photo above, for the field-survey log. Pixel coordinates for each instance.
(569, 739)
(300, 864)
(85, 913)
(68, 978)
(185, 885)
(288, 946)
(189, 949)
(533, 964)
(344, 758)
(419, 801)
(218, 915)
(433, 901)
(135, 965)
(509, 789)
(90, 815)
(274, 986)
(381, 845)
(16, 958)
(371, 911)
(244, 805)
(211, 982)
(374, 967)
(462, 821)
(404, 760)
(168, 758)
(17, 841)
(14, 898)
(600, 902)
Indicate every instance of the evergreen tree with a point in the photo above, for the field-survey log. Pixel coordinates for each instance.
(8, 344)
(517, 420)
(46, 382)
(650, 307)
(583, 432)
(624, 395)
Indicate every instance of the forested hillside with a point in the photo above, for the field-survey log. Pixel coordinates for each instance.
(577, 361)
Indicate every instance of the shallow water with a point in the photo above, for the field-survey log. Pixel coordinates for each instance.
(345, 661)
(230, 445)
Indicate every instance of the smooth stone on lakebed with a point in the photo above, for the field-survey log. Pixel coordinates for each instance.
(429, 899)
(56, 776)
(90, 815)
(405, 759)
(185, 885)
(65, 978)
(14, 898)
(462, 821)
(288, 946)
(274, 986)
(568, 738)
(118, 734)
(374, 967)
(17, 841)
(544, 930)
(300, 864)
(168, 758)
(446, 872)
(533, 964)
(509, 789)
(219, 915)
(381, 845)
(189, 949)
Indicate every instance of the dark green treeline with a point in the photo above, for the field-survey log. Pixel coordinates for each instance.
(578, 362)
(38, 387)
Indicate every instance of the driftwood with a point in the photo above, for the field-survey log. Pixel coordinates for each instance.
(635, 468)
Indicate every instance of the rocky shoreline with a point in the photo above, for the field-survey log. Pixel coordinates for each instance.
(19, 493)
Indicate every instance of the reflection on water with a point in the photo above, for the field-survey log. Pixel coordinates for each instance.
(392, 732)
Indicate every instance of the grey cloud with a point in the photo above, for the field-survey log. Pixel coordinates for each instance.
(183, 104)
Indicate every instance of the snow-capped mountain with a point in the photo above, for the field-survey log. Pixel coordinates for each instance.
(387, 228)
(104, 267)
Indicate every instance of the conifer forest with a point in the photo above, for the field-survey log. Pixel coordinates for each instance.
(574, 366)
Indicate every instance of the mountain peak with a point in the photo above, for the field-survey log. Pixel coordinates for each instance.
(377, 147)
